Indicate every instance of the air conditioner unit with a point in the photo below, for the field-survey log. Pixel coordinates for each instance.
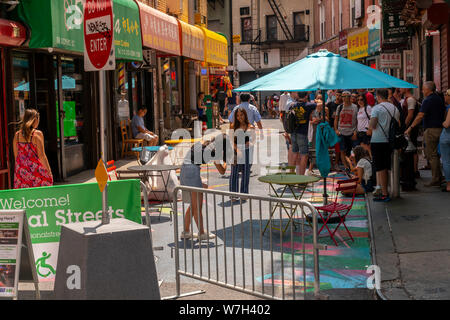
(199, 19)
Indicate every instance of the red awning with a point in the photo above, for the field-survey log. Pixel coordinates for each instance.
(12, 33)
(159, 30)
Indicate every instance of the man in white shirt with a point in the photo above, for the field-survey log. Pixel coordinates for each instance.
(380, 122)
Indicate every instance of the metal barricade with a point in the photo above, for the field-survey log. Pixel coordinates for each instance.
(251, 254)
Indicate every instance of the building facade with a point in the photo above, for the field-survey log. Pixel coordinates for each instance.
(268, 35)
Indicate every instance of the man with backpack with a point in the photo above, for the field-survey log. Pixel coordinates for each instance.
(297, 124)
(381, 141)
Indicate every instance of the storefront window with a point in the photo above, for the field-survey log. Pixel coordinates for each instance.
(21, 84)
(73, 104)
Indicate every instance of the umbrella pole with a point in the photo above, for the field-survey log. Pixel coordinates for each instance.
(324, 119)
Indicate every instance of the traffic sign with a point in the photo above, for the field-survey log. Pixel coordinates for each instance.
(101, 175)
(98, 36)
(236, 39)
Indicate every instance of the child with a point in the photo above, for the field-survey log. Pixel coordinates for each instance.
(363, 170)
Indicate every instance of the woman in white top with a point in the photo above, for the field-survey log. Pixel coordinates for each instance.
(363, 170)
(363, 117)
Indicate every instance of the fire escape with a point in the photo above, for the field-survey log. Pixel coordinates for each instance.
(212, 3)
(280, 14)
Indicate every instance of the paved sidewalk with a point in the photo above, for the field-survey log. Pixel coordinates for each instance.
(412, 243)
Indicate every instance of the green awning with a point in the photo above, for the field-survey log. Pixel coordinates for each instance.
(59, 24)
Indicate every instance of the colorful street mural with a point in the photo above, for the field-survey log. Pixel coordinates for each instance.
(342, 266)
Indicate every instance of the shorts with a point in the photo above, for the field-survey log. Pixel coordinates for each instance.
(299, 143)
(190, 176)
(381, 155)
(346, 144)
(363, 138)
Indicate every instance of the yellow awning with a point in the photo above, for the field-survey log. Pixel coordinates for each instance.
(216, 48)
(192, 41)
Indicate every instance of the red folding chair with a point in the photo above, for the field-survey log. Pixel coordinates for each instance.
(340, 209)
(110, 167)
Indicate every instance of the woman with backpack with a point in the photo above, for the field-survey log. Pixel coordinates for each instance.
(363, 132)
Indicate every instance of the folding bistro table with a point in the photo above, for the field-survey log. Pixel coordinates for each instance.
(289, 182)
(147, 152)
(148, 171)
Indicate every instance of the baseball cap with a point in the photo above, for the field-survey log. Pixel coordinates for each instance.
(348, 93)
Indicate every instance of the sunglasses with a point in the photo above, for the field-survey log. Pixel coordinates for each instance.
(346, 96)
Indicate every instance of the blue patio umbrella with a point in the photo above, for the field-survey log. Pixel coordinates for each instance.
(67, 83)
(324, 70)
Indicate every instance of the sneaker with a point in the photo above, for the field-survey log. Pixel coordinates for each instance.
(377, 192)
(382, 199)
(206, 236)
(188, 235)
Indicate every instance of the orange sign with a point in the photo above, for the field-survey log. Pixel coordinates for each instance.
(101, 175)
(192, 41)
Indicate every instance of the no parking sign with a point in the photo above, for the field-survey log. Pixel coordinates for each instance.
(98, 36)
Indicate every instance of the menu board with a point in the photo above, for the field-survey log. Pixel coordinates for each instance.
(11, 226)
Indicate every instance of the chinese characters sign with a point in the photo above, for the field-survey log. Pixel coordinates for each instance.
(358, 45)
(391, 61)
(193, 41)
(216, 48)
(395, 30)
(159, 31)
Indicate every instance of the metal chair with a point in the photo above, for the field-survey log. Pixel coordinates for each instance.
(339, 209)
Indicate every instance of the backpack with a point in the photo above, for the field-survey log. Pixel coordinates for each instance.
(291, 119)
(395, 136)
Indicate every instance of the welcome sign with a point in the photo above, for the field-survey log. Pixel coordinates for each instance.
(48, 208)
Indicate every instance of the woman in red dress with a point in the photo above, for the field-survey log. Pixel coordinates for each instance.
(32, 168)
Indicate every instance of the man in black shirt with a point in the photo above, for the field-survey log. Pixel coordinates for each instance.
(432, 113)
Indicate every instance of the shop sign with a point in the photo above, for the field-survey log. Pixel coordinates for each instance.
(59, 24)
(216, 48)
(47, 208)
(159, 30)
(408, 61)
(374, 41)
(98, 36)
(358, 45)
(395, 30)
(193, 41)
(127, 30)
(390, 61)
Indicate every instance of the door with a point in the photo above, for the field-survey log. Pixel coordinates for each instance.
(5, 181)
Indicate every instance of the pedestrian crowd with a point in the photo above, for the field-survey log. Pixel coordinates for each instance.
(371, 125)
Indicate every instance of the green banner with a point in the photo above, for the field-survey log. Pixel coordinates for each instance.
(127, 30)
(48, 208)
(59, 24)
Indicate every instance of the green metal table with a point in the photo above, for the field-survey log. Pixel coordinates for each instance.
(289, 182)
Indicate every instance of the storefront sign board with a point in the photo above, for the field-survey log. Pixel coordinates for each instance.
(358, 45)
(48, 208)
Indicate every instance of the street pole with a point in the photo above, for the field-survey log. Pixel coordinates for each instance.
(101, 88)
